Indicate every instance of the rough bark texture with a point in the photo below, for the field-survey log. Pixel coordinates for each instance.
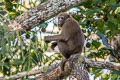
(103, 64)
(78, 68)
(41, 13)
(75, 66)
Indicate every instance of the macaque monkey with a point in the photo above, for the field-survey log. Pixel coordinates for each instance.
(71, 39)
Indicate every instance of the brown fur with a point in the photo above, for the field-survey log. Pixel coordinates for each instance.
(71, 39)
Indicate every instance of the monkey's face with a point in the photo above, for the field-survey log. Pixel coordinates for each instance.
(61, 18)
(60, 21)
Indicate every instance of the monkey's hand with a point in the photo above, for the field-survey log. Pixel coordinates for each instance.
(53, 45)
(46, 39)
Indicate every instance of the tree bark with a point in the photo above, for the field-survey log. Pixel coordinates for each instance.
(40, 13)
(75, 66)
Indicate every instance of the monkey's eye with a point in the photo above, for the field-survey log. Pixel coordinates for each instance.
(62, 17)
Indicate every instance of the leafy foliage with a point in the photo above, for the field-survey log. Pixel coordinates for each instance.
(19, 52)
(100, 22)
(100, 17)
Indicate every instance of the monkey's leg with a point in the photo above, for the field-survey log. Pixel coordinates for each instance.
(63, 64)
(64, 49)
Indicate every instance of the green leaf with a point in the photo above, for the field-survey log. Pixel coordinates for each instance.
(110, 2)
(96, 43)
(100, 25)
(17, 62)
(88, 4)
(117, 10)
(90, 12)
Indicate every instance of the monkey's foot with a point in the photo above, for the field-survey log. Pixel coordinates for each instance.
(63, 64)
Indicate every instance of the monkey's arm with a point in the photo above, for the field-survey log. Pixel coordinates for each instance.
(55, 38)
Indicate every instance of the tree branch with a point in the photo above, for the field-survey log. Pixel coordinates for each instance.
(103, 64)
(55, 73)
(41, 13)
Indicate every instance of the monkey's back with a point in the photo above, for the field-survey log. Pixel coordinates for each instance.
(75, 36)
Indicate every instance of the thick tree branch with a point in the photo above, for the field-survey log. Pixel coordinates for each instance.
(55, 72)
(103, 64)
(41, 13)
